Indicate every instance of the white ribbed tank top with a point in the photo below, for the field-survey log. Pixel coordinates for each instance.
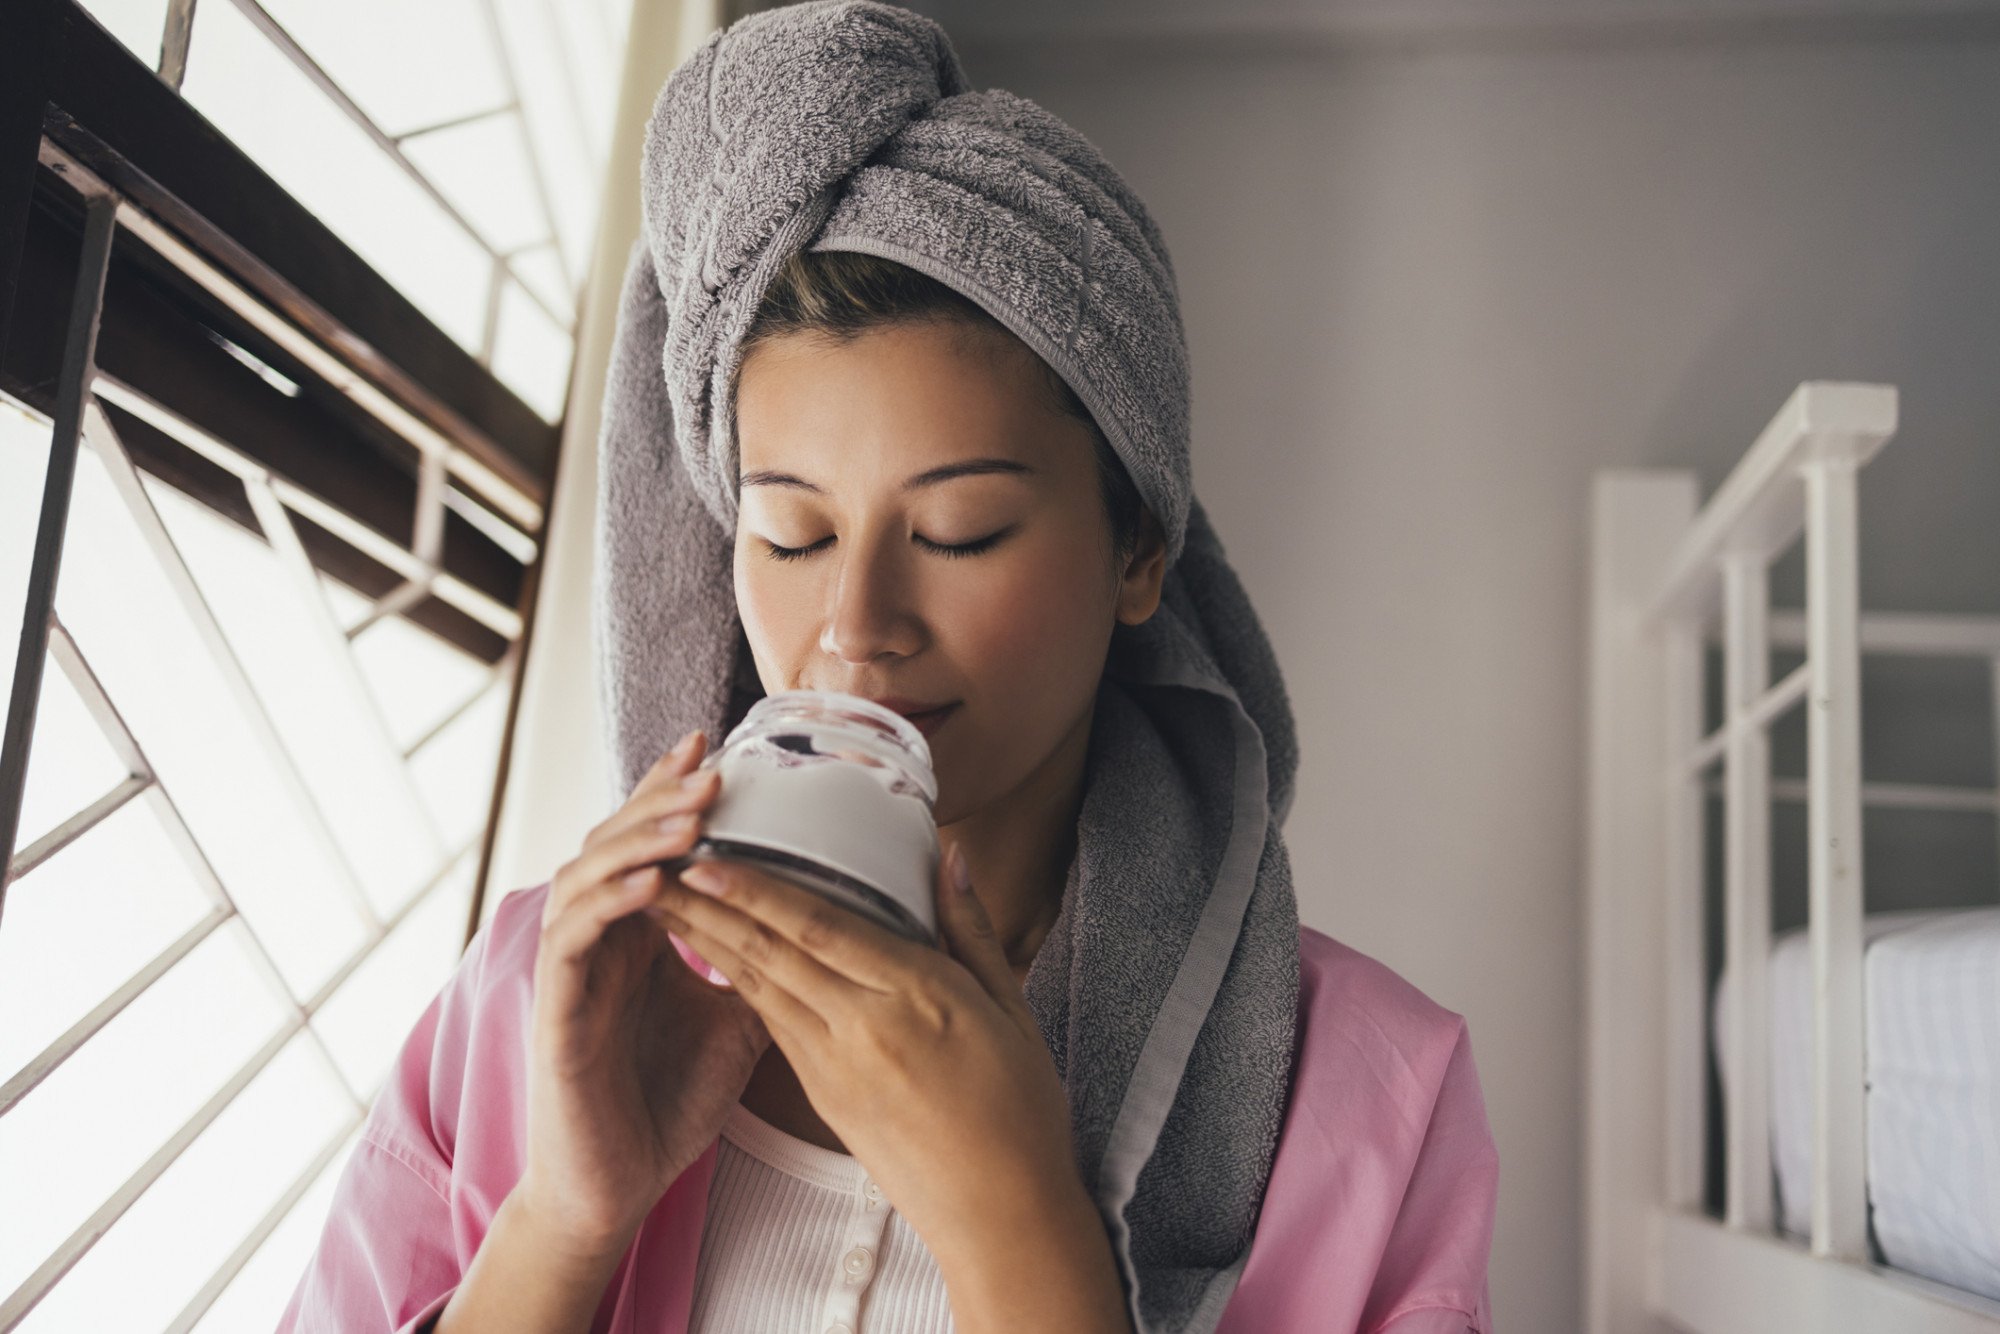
(799, 1240)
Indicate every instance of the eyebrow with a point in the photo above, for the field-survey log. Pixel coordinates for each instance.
(944, 473)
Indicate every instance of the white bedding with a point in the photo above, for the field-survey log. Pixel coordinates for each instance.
(1933, 1010)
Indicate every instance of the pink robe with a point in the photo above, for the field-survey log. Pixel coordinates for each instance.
(1377, 1219)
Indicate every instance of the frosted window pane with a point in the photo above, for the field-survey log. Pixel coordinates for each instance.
(385, 54)
(541, 271)
(83, 922)
(593, 66)
(455, 771)
(71, 763)
(366, 1022)
(139, 24)
(418, 679)
(143, 1272)
(348, 606)
(535, 44)
(24, 465)
(67, 1146)
(259, 1293)
(531, 354)
(328, 163)
(482, 167)
(317, 703)
(135, 632)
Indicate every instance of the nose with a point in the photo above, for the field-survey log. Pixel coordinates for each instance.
(870, 615)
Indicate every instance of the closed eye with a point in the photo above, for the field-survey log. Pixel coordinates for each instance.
(987, 543)
(776, 552)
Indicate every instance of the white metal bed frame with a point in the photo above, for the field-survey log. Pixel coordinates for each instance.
(1661, 571)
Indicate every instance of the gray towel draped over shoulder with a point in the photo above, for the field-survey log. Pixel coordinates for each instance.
(1168, 986)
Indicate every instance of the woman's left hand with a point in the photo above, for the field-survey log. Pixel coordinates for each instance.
(927, 1064)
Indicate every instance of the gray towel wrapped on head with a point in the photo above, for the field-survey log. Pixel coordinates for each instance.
(1168, 986)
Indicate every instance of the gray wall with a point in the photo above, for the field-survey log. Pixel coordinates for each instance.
(1431, 286)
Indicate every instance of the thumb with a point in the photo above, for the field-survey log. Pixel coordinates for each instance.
(969, 931)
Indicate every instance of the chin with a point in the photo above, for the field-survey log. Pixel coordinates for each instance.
(954, 802)
(949, 808)
(963, 791)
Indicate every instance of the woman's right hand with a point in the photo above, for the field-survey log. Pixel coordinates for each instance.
(636, 1058)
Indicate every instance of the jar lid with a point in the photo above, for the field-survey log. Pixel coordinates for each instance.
(831, 722)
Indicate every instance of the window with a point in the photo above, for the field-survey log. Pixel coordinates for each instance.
(279, 414)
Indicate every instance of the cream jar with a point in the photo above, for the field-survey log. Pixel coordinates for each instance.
(835, 793)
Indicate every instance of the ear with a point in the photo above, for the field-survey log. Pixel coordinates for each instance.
(1139, 582)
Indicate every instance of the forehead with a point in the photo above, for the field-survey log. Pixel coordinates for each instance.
(915, 390)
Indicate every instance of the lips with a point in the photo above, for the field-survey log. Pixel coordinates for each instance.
(925, 718)
(929, 720)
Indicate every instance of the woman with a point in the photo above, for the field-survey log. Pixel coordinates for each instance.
(920, 436)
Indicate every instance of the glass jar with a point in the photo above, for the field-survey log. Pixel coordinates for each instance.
(834, 793)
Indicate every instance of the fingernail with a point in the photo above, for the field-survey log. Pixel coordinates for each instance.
(682, 746)
(961, 874)
(705, 879)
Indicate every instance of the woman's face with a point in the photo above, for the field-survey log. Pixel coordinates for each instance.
(871, 458)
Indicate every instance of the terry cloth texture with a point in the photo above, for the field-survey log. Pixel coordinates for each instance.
(1168, 987)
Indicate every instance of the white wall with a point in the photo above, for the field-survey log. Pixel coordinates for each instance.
(1430, 286)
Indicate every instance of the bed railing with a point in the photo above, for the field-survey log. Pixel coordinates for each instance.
(1915, 635)
(1662, 573)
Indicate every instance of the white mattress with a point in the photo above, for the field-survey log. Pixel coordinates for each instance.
(1933, 1009)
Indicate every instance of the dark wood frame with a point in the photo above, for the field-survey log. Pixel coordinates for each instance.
(62, 74)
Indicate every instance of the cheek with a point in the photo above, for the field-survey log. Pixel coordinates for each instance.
(1030, 642)
(1029, 647)
(1035, 623)
(777, 608)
